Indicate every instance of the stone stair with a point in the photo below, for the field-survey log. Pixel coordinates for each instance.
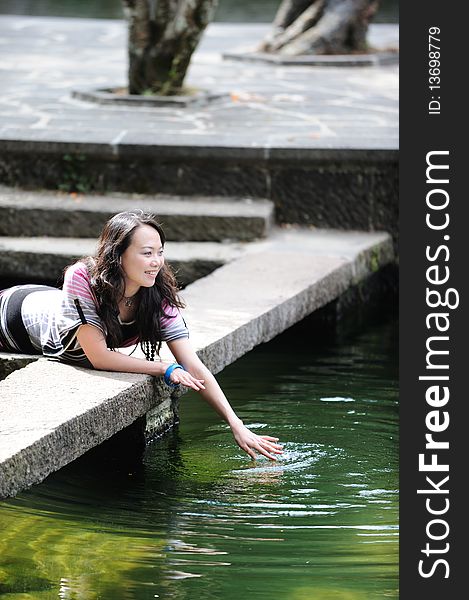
(190, 218)
(43, 259)
(42, 232)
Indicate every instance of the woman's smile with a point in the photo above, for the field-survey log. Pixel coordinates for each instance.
(152, 274)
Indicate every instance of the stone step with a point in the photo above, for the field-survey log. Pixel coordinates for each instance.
(24, 259)
(273, 284)
(184, 218)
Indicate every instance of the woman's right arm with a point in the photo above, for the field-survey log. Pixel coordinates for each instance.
(92, 340)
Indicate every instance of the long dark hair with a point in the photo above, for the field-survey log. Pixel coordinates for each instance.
(108, 283)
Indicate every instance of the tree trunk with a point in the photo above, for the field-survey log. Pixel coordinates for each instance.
(320, 27)
(162, 36)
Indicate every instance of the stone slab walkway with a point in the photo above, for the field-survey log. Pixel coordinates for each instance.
(273, 110)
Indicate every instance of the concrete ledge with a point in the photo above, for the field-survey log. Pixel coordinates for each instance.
(13, 362)
(51, 413)
(114, 96)
(216, 147)
(189, 218)
(346, 188)
(284, 279)
(44, 258)
(324, 60)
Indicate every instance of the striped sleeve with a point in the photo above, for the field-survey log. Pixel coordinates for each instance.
(173, 326)
(79, 302)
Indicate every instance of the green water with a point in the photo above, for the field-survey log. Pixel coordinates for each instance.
(195, 519)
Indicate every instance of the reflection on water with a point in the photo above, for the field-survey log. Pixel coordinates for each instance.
(260, 11)
(195, 519)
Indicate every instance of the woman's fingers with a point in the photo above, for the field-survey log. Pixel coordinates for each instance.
(271, 442)
(185, 378)
(270, 450)
(264, 445)
(264, 452)
(251, 453)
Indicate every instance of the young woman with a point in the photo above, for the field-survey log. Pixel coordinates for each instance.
(122, 296)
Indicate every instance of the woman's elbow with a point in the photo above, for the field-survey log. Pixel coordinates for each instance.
(100, 361)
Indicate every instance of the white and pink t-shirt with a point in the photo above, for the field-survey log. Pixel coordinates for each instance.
(52, 317)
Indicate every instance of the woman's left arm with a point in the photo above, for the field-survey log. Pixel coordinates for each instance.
(248, 441)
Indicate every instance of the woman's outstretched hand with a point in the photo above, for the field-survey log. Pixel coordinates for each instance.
(251, 442)
(203, 381)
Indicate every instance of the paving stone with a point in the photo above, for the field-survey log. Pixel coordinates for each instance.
(62, 56)
(352, 60)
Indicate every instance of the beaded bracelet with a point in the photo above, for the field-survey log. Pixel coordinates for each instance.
(168, 372)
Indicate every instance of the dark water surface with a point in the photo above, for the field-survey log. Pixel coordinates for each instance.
(197, 520)
(260, 11)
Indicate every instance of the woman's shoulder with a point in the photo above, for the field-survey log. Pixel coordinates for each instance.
(172, 322)
(169, 310)
(78, 269)
(170, 314)
(77, 281)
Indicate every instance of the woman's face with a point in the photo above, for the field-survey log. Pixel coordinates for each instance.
(142, 260)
